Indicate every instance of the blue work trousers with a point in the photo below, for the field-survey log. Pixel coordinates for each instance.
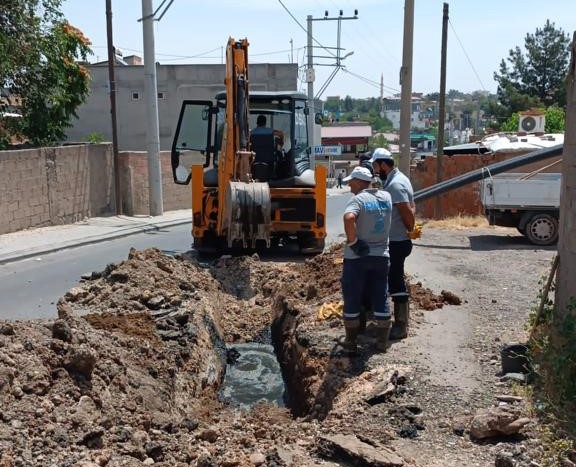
(397, 288)
(366, 276)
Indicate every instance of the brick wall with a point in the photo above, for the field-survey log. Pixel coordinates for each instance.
(466, 199)
(51, 186)
(134, 176)
(62, 185)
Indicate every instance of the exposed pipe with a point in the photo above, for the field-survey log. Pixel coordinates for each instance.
(485, 172)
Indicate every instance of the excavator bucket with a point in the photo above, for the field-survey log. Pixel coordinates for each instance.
(247, 213)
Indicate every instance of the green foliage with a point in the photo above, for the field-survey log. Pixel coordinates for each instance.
(555, 120)
(38, 55)
(378, 141)
(557, 449)
(4, 142)
(348, 105)
(95, 137)
(512, 123)
(554, 360)
(535, 77)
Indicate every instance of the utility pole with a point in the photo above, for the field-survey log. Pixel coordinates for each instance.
(310, 74)
(442, 109)
(112, 88)
(155, 201)
(406, 88)
(310, 81)
(564, 297)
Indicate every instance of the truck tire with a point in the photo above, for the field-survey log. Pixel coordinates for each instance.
(542, 229)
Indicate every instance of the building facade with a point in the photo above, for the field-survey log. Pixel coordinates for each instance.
(175, 83)
(419, 119)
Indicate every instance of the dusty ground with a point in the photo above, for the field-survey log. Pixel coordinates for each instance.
(128, 375)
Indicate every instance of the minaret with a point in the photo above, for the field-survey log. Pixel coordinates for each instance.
(382, 95)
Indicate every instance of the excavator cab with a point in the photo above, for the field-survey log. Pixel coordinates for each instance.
(249, 187)
(194, 143)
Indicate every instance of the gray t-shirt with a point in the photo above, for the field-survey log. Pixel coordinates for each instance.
(373, 210)
(400, 189)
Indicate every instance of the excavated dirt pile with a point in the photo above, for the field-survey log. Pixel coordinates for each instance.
(129, 373)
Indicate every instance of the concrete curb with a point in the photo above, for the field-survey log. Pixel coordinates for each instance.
(108, 232)
(19, 255)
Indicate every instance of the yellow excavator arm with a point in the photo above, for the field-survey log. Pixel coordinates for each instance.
(244, 204)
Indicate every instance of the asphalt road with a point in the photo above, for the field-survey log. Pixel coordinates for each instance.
(29, 289)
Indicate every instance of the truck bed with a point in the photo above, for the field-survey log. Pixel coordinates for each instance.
(510, 191)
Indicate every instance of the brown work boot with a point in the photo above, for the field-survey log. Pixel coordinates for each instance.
(349, 341)
(401, 317)
(382, 334)
(362, 321)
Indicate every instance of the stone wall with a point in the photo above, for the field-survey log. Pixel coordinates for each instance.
(466, 199)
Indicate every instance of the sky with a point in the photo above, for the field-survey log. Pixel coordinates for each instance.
(480, 34)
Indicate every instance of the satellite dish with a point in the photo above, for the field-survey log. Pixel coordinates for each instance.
(528, 124)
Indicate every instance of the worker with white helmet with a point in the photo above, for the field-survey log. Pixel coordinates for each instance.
(367, 219)
(403, 221)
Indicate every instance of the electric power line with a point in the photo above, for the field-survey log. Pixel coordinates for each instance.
(304, 29)
(369, 81)
(466, 55)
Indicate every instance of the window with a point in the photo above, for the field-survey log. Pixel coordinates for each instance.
(135, 96)
(161, 95)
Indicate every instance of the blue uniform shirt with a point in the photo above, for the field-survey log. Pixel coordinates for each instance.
(373, 210)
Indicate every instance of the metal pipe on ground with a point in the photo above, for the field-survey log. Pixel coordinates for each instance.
(485, 172)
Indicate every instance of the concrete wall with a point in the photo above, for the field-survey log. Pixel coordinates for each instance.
(175, 83)
(464, 200)
(51, 186)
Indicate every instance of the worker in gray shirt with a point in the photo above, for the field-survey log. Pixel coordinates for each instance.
(400, 245)
(367, 219)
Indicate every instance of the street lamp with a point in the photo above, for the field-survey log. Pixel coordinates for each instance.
(347, 55)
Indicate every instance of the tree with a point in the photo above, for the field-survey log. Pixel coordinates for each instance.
(39, 54)
(536, 77)
(348, 104)
(378, 141)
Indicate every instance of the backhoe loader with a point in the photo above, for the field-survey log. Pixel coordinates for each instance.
(249, 191)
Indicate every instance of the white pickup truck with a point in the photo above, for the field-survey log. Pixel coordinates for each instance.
(529, 202)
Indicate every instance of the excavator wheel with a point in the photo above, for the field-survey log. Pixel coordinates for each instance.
(309, 245)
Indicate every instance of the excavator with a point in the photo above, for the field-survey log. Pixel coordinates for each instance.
(249, 191)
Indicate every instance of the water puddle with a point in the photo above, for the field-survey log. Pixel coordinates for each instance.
(253, 375)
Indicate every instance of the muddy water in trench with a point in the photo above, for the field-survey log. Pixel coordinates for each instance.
(254, 376)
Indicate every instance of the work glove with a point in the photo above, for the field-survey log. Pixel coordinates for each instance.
(416, 232)
(359, 247)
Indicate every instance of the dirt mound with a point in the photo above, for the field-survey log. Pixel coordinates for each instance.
(129, 373)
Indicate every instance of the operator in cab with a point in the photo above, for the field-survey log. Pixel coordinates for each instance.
(262, 129)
